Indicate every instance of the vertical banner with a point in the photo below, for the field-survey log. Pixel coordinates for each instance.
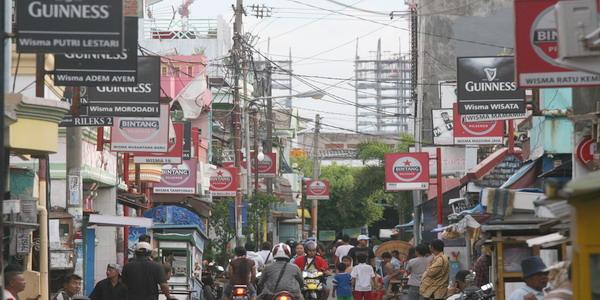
(317, 190)
(406, 171)
(224, 182)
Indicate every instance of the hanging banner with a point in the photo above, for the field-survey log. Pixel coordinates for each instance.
(443, 126)
(173, 154)
(187, 140)
(486, 85)
(406, 171)
(141, 134)
(224, 182)
(178, 179)
(267, 167)
(536, 47)
(476, 133)
(90, 69)
(59, 26)
(317, 190)
(141, 100)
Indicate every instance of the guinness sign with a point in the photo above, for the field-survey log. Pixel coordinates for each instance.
(486, 85)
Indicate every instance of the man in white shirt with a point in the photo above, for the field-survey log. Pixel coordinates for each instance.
(250, 253)
(535, 277)
(342, 250)
(265, 253)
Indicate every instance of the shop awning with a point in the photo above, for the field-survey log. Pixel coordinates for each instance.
(547, 240)
(102, 220)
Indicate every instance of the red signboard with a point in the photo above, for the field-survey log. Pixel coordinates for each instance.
(178, 179)
(317, 189)
(476, 133)
(266, 167)
(536, 47)
(586, 150)
(224, 182)
(173, 156)
(406, 171)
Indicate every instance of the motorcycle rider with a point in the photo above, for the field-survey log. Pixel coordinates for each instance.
(281, 275)
(241, 271)
(312, 262)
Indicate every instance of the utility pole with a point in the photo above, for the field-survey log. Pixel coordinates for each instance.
(5, 60)
(417, 195)
(316, 173)
(270, 121)
(237, 139)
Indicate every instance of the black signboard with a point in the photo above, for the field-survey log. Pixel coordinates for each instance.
(83, 118)
(486, 85)
(141, 100)
(92, 69)
(187, 140)
(74, 26)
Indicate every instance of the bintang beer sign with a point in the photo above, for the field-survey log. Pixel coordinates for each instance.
(317, 190)
(74, 26)
(224, 182)
(266, 167)
(178, 179)
(486, 85)
(476, 133)
(536, 47)
(406, 171)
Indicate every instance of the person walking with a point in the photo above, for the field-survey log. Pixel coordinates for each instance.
(143, 277)
(535, 276)
(416, 267)
(362, 247)
(363, 278)
(110, 288)
(434, 282)
(342, 283)
(71, 287)
(241, 271)
(14, 282)
(342, 250)
(281, 275)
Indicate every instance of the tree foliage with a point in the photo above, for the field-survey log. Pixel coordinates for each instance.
(219, 224)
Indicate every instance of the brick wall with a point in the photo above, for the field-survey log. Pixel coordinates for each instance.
(130, 8)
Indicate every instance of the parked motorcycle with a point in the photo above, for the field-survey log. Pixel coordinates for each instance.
(485, 292)
(313, 285)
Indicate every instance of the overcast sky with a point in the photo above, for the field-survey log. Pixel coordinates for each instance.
(327, 38)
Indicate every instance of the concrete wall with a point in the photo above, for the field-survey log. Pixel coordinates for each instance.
(106, 237)
(454, 28)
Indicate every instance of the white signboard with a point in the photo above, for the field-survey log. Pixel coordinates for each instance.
(447, 90)
(443, 127)
(455, 160)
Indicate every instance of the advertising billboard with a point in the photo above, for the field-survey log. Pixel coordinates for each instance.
(224, 182)
(406, 171)
(130, 134)
(476, 133)
(317, 190)
(178, 179)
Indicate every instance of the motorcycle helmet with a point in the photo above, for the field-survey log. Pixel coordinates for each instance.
(282, 250)
(310, 245)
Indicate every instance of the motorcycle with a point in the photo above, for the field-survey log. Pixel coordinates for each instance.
(313, 285)
(239, 292)
(283, 295)
(485, 292)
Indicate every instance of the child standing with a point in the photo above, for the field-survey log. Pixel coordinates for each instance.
(342, 283)
(363, 278)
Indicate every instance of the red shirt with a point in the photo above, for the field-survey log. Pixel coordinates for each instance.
(319, 262)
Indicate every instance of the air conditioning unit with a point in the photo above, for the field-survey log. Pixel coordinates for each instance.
(578, 35)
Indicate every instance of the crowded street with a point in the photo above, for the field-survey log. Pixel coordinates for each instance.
(300, 150)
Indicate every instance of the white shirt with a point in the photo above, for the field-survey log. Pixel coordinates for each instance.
(519, 293)
(363, 275)
(258, 260)
(8, 295)
(266, 255)
(342, 251)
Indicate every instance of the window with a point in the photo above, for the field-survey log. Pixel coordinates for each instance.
(176, 71)
(163, 71)
(190, 71)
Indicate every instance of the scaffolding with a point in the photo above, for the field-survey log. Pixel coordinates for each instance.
(383, 95)
(281, 77)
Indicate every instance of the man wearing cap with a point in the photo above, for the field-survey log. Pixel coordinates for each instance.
(110, 288)
(142, 276)
(535, 277)
(362, 247)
